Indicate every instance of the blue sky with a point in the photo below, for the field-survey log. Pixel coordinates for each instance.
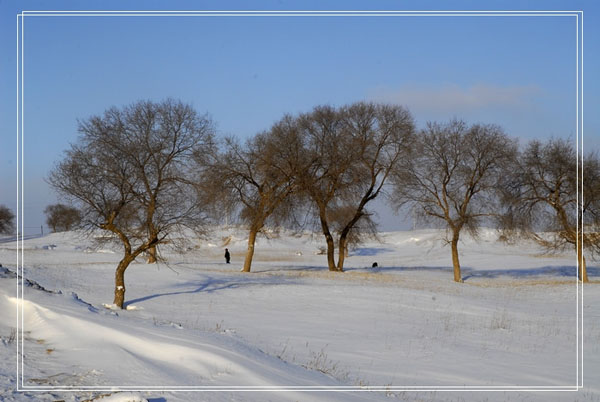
(246, 72)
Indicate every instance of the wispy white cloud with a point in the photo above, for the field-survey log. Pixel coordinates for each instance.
(455, 99)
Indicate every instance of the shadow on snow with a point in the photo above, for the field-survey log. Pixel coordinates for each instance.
(210, 285)
(370, 251)
(469, 273)
(555, 271)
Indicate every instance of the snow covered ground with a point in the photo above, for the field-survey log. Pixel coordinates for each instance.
(197, 328)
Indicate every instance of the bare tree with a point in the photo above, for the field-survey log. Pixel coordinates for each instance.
(258, 177)
(589, 211)
(351, 152)
(453, 177)
(542, 196)
(128, 174)
(60, 217)
(7, 218)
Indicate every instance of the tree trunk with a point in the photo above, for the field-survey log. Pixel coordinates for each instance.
(329, 241)
(152, 255)
(330, 252)
(581, 271)
(120, 281)
(250, 252)
(455, 262)
(342, 253)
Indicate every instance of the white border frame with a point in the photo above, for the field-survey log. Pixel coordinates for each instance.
(578, 14)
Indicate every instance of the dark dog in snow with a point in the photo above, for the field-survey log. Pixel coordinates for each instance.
(374, 265)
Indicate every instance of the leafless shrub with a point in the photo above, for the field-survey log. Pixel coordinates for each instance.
(60, 217)
(11, 337)
(6, 220)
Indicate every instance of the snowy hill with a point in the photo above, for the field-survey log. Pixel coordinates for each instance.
(291, 330)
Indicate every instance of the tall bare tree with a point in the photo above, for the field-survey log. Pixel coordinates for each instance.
(453, 177)
(542, 201)
(60, 217)
(352, 151)
(588, 211)
(259, 177)
(128, 174)
(7, 218)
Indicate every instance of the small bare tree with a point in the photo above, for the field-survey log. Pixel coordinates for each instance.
(258, 177)
(351, 152)
(60, 217)
(129, 175)
(7, 218)
(453, 177)
(542, 196)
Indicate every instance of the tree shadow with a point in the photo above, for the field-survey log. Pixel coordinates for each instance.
(385, 269)
(370, 251)
(294, 268)
(210, 285)
(565, 271)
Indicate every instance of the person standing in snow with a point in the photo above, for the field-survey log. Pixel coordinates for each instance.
(227, 256)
